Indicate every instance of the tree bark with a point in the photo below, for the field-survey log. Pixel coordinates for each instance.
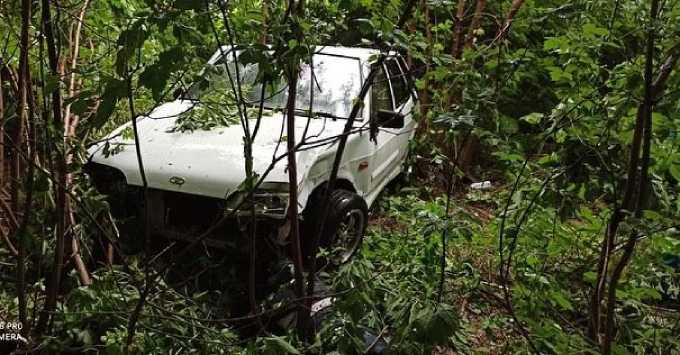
(635, 193)
(69, 123)
(424, 94)
(293, 195)
(457, 47)
(2, 128)
(22, 108)
(514, 8)
(475, 23)
(265, 22)
(59, 174)
(292, 76)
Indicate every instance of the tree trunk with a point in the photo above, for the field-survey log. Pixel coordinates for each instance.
(634, 199)
(475, 23)
(424, 94)
(59, 174)
(457, 46)
(22, 108)
(265, 22)
(293, 195)
(2, 129)
(342, 141)
(70, 123)
(514, 8)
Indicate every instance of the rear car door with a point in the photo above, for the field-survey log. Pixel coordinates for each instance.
(389, 92)
(403, 103)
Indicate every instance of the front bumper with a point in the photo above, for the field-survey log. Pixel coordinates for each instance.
(182, 216)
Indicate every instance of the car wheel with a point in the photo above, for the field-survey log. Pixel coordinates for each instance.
(344, 228)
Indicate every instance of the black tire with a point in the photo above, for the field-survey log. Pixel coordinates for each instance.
(344, 207)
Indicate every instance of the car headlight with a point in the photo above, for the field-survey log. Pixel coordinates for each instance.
(123, 199)
(270, 200)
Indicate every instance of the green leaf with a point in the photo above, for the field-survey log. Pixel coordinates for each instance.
(561, 300)
(51, 83)
(81, 102)
(435, 327)
(591, 30)
(507, 125)
(280, 343)
(155, 76)
(555, 43)
(292, 43)
(532, 118)
(653, 215)
(113, 91)
(674, 169)
(130, 41)
(590, 276)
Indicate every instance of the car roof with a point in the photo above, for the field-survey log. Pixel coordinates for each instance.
(362, 53)
(357, 52)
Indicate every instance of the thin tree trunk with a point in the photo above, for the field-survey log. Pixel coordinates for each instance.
(134, 317)
(653, 89)
(456, 52)
(22, 113)
(342, 142)
(265, 22)
(302, 314)
(514, 8)
(292, 77)
(70, 123)
(635, 185)
(60, 174)
(33, 161)
(457, 47)
(247, 149)
(293, 194)
(2, 129)
(475, 23)
(424, 94)
(75, 48)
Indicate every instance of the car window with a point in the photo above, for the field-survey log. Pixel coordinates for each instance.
(408, 75)
(381, 99)
(336, 82)
(399, 86)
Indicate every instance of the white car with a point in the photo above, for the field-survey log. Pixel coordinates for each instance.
(194, 175)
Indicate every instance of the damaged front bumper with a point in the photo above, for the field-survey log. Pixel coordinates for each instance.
(181, 216)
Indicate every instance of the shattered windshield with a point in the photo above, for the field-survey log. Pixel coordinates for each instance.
(335, 81)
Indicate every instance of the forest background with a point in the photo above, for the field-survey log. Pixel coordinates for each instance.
(570, 109)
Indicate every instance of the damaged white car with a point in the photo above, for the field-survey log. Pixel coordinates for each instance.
(193, 175)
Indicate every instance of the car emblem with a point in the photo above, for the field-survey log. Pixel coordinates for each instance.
(176, 180)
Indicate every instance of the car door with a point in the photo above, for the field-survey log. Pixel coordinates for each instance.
(391, 142)
(403, 104)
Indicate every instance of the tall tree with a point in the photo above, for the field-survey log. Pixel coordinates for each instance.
(24, 86)
(59, 173)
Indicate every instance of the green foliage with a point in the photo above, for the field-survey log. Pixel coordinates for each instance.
(552, 105)
(95, 318)
(392, 285)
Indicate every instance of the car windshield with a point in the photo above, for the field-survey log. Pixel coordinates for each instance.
(336, 82)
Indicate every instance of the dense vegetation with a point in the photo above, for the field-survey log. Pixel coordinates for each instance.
(569, 109)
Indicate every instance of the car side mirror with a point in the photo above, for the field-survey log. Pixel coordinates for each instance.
(390, 119)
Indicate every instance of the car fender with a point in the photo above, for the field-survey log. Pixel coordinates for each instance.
(319, 174)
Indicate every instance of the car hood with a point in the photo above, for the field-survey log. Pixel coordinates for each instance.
(210, 162)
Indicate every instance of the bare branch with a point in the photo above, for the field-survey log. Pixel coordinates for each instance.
(514, 9)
